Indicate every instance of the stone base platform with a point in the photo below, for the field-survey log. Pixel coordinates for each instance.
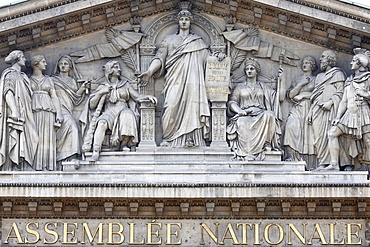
(180, 160)
(176, 172)
(227, 183)
(193, 166)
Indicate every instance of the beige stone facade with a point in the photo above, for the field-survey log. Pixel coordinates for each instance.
(165, 196)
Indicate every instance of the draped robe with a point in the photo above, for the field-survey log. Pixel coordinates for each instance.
(68, 134)
(185, 112)
(21, 142)
(328, 86)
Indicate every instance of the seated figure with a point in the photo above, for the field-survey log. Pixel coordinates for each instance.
(254, 128)
(115, 110)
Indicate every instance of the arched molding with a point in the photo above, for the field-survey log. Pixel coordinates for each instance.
(209, 31)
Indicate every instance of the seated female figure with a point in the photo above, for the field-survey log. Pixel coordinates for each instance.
(254, 128)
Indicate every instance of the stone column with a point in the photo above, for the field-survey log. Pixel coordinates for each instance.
(219, 122)
(147, 125)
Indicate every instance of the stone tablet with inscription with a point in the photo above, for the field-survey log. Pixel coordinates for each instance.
(217, 79)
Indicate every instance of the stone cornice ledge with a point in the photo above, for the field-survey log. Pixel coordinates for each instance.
(186, 185)
(175, 190)
(311, 9)
(31, 14)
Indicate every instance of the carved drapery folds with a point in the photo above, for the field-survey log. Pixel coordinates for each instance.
(208, 97)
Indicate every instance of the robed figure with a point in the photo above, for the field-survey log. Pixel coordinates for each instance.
(19, 137)
(181, 57)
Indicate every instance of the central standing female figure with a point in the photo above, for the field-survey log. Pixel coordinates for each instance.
(186, 113)
(254, 128)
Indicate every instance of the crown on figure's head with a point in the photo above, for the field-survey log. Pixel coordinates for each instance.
(185, 5)
(253, 62)
(185, 10)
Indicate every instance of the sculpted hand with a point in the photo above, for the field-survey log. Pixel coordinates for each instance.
(152, 99)
(326, 105)
(15, 116)
(335, 121)
(362, 93)
(221, 56)
(309, 118)
(145, 77)
(87, 84)
(59, 118)
(281, 72)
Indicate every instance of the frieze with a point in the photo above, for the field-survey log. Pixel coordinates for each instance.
(246, 207)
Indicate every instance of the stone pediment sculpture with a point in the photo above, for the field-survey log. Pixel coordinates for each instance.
(216, 89)
(254, 127)
(118, 43)
(113, 109)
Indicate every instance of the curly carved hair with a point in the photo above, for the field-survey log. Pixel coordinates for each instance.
(311, 60)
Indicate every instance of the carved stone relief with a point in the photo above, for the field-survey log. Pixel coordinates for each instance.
(259, 107)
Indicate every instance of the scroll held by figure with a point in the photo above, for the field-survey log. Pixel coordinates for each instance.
(181, 59)
(254, 127)
(112, 107)
(19, 136)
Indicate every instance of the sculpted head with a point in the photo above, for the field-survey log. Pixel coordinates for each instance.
(38, 62)
(328, 59)
(15, 57)
(66, 64)
(184, 18)
(308, 64)
(112, 68)
(360, 62)
(185, 13)
(252, 67)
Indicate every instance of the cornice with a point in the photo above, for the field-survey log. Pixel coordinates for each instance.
(185, 208)
(190, 185)
(28, 27)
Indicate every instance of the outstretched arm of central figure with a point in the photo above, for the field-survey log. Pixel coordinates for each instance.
(153, 67)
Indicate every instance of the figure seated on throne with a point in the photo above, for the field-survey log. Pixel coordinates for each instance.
(112, 108)
(254, 127)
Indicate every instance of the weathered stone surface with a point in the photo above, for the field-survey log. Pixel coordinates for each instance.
(185, 185)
